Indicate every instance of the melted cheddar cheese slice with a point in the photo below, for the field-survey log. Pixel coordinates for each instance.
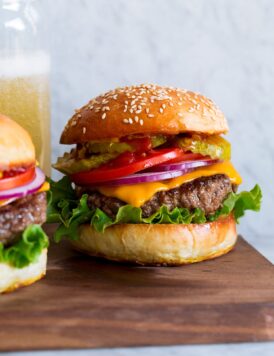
(45, 187)
(137, 194)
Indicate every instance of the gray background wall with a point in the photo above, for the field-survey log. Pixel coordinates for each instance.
(222, 48)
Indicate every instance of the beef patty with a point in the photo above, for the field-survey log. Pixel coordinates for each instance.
(16, 216)
(206, 193)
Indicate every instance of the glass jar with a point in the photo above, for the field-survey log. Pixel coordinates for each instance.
(24, 73)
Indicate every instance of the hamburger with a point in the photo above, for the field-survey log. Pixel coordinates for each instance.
(23, 244)
(149, 179)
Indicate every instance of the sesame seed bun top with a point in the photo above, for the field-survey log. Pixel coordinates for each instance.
(16, 147)
(144, 109)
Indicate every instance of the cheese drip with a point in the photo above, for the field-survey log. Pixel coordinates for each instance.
(137, 194)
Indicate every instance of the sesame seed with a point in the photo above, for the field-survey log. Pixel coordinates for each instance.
(141, 97)
(125, 121)
(130, 121)
(79, 116)
(84, 130)
(73, 123)
(136, 118)
(104, 116)
(180, 114)
(141, 122)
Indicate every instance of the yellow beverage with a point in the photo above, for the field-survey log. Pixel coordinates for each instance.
(24, 96)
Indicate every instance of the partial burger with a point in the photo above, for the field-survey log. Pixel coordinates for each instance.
(150, 179)
(23, 204)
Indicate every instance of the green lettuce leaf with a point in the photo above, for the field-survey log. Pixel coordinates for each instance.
(239, 203)
(70, 212)
(27, 249)
(61, 198)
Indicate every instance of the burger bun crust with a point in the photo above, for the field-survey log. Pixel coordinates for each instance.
(144, 109)
(16, 147)
(162, 244)
(12, 278)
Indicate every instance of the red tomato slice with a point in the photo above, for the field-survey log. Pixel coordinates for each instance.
(126, 164)
(13, 181)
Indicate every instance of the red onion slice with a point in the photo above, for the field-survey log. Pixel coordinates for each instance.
(144, 178)
(24, 190)
(184, 165)
(161, 172)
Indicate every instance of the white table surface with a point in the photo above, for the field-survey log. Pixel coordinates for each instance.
(266, 246)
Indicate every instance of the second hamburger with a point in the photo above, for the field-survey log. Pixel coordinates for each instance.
(23, 205)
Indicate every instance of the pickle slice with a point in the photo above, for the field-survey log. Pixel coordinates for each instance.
(107, 147)
(69, 164)
(95, 153)
(94, 147)
(158, 140)
(214, 146)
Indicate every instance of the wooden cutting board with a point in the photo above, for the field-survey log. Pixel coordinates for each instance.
(85, 303)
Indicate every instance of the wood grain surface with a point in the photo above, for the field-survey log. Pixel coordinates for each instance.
(86, 303)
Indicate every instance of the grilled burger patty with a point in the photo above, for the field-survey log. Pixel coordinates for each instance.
(206, 193)
(16, 216)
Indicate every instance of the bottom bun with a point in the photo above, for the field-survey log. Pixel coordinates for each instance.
(162, 244)
(12, 278)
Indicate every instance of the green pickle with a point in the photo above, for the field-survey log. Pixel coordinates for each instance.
(95, 153)
(158, 140)
(214, 146)
(70, 165)
(94, 147)
(108, 147)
